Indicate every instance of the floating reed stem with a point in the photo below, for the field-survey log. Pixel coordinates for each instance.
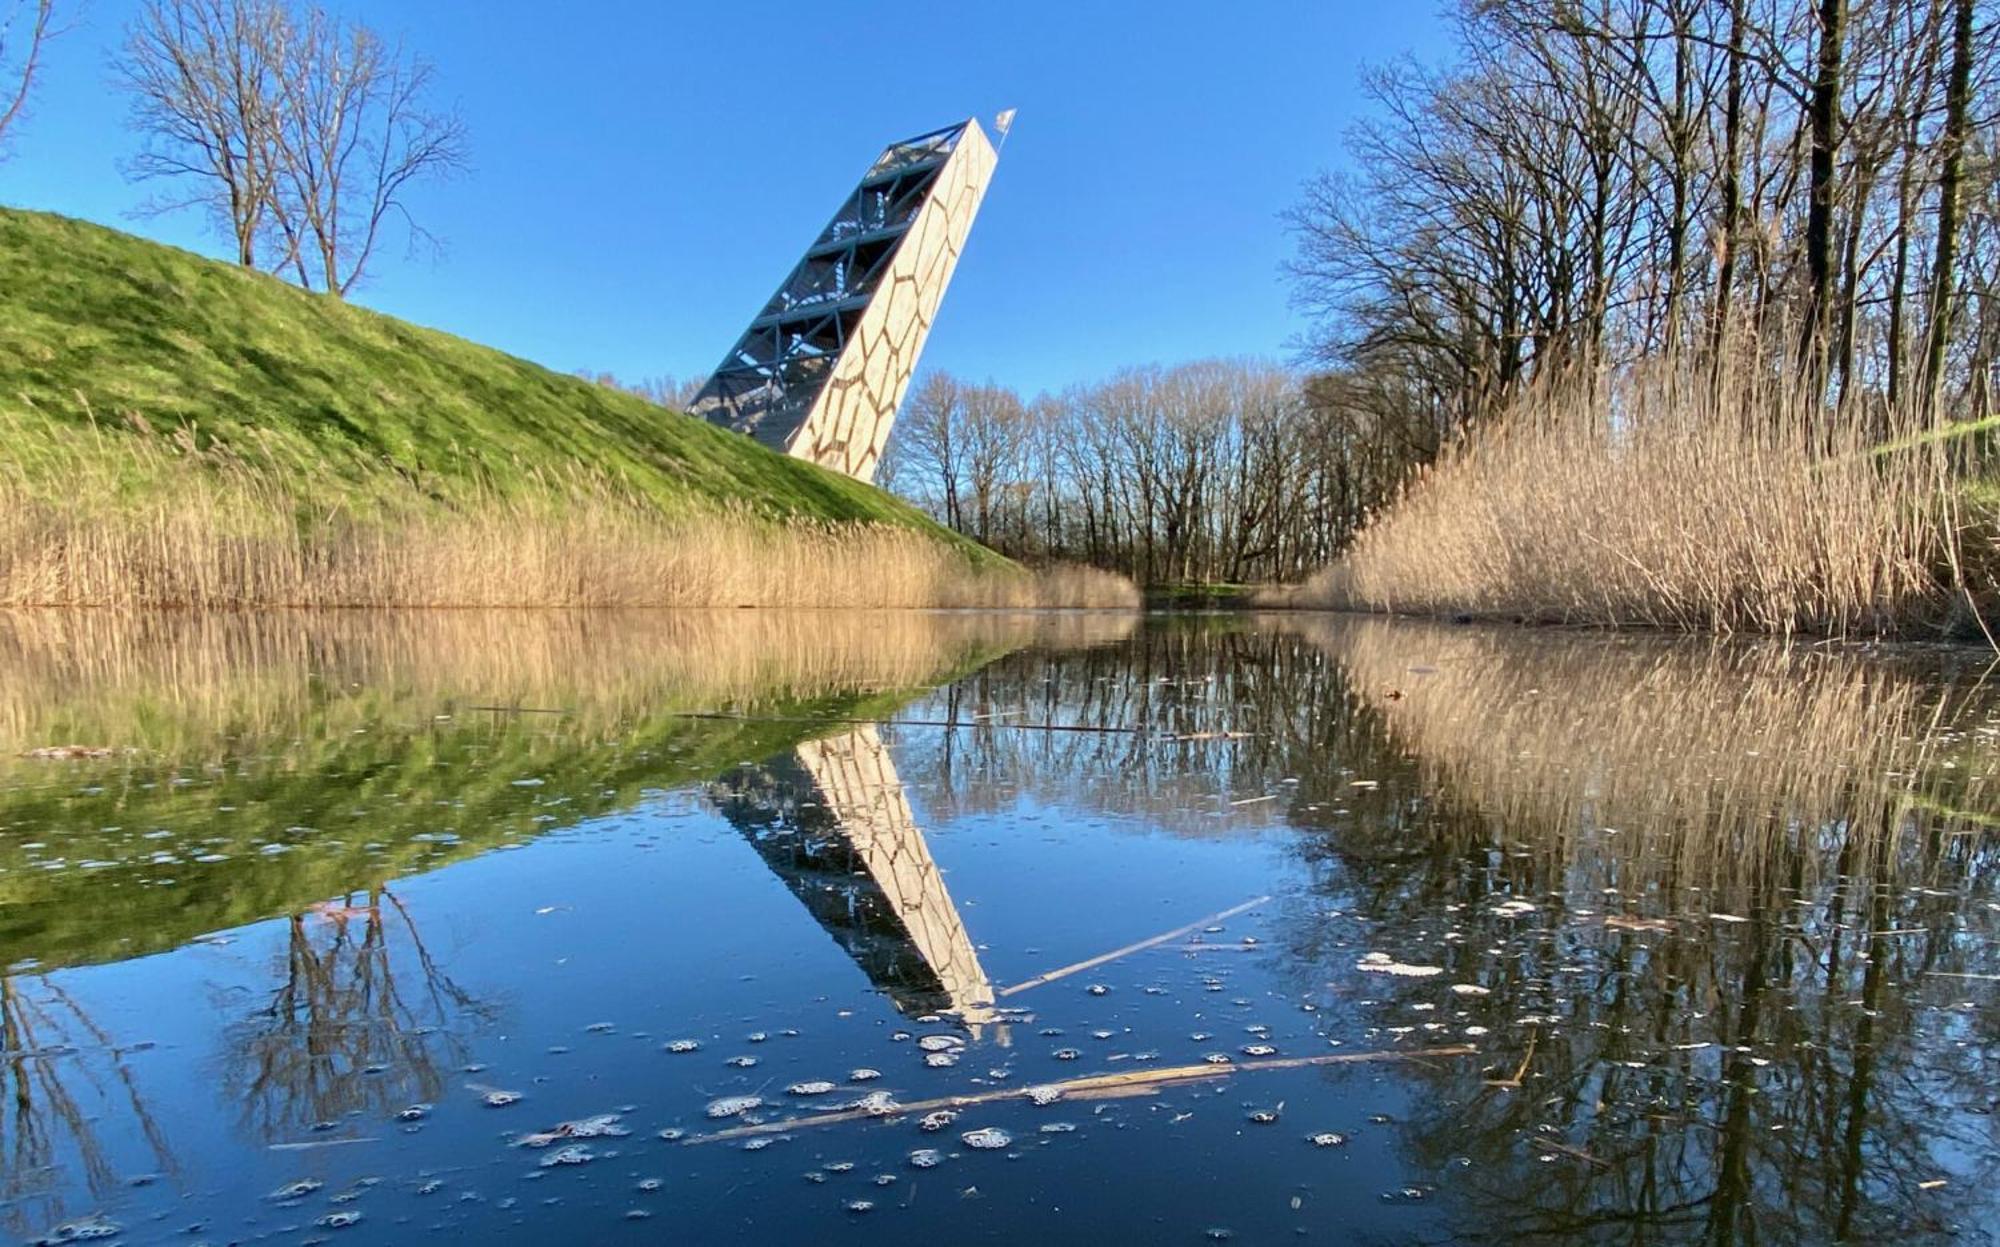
(1089, 1087)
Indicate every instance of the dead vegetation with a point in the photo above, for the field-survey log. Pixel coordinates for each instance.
(1655, 498)
(199, 536)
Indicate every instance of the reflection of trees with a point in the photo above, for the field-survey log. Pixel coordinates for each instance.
(1193, 714)
(1790, 1076)
(59, 1074)
(349, 1027)
(1793, 1077)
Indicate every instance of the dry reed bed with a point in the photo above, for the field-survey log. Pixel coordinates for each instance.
(189, 552)
(145, 521)
(187, 684)
(1659, 499)
(1706, 756)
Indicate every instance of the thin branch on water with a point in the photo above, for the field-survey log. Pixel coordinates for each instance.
(1139, 947)
(845, 722)
(1089, 1087)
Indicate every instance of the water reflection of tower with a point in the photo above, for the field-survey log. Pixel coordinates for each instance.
(832, 821)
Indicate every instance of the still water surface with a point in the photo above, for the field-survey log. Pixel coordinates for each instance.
(934, 927)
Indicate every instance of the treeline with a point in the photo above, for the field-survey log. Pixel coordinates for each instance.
(666, 389)
(1804, 190)
(1214, 471)
(1594, 182)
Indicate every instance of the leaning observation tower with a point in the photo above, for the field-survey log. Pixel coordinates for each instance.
(822, 369)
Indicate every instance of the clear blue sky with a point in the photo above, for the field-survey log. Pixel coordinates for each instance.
(646, 172)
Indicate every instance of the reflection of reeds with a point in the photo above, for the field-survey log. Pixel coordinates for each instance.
(171, 681)
(1701, 751)
(1722, 904)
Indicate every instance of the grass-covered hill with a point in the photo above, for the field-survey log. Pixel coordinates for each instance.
(107, 339)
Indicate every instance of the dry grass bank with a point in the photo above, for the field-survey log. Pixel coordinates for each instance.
(164, 526)
(1654, 500)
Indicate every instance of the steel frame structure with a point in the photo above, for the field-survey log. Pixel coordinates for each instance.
(824, 366)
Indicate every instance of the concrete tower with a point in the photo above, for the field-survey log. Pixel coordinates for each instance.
(822, 369)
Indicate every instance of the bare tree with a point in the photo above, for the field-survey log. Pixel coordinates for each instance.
(992, 424)
(203, 81)
(1591, 181)
(930, 447)
(1957, 129)
(1215, 469)
(1822, 188)
(300, 132)
(26, 26)
(353, 132)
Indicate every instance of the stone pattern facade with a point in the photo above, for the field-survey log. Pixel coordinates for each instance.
(823, 369)
(849, 425)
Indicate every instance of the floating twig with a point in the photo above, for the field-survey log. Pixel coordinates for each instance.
(314, 1144)
(1129, 949)
(1089, 1087)
(1575, 1152)
(838, 721)
(1514, 1083)
(1625, 922)
(1219, 948)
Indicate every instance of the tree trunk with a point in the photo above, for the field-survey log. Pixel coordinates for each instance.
(1824, 114)
(1943, 269)
(1732, 187)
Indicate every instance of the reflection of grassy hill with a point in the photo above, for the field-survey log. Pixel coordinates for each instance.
(329, 815)
(311, 757)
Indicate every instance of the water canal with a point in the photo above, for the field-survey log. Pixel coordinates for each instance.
(957, 927)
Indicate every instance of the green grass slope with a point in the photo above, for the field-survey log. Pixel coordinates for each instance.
(104, 336)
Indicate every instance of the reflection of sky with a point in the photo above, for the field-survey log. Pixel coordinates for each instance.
(1038, 892)
(660, 921)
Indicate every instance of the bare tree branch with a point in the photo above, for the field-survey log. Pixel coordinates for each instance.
(302, 134)
(26, 26)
